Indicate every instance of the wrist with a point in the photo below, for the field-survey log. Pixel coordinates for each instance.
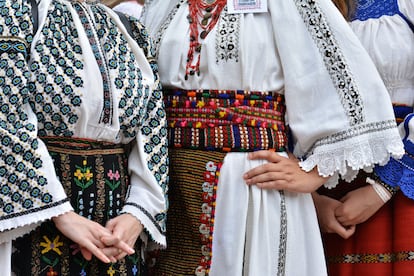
(381, 190)
(391, 189)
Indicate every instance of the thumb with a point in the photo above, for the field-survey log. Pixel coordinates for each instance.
(347, 232)
(343, 231)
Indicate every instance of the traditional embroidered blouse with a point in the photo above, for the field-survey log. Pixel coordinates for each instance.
(386, 30)
(389, 40)
(337, 106)
(80, 75)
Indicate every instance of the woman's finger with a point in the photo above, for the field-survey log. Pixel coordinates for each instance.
(269, 155)
(112, 253)
(273, 185)
(110, 241)
(96, 251)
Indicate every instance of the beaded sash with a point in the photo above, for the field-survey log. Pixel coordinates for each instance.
(226, 120)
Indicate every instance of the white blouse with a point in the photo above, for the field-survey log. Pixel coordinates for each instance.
(337, 106)
(100, 85)
(390, 43)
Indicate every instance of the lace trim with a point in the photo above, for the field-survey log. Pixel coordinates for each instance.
(20, 224)
(344, 154)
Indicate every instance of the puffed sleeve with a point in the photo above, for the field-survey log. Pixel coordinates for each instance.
(30, 191)
(407, 9)
(148, 161)
(337, 106)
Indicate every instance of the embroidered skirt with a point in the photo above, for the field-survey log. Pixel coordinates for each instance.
(94, 176)
(381, 246)
(217, 225)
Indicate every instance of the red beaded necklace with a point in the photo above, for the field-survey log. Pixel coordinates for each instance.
(203, 15)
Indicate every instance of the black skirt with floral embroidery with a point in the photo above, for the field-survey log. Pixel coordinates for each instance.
(94, 176)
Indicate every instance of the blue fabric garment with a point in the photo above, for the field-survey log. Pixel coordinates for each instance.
(400, 173)
(367, 9)
(402, 111)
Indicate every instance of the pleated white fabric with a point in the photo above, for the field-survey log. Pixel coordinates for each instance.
(5, 258)
(263, 232)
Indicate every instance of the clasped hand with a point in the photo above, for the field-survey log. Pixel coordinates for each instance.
(109, 244)
(342, 216)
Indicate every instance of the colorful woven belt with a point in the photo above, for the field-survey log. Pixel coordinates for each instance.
(226, 120)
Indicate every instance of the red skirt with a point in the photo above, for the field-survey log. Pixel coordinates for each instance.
(381, 246)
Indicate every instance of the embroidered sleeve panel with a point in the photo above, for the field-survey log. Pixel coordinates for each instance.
(364, 142)
(24, 187)
(154, 132)
(334, 59)
(154, 117)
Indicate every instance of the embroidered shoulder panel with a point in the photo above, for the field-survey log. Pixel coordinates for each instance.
(56, 67)
(333, 58)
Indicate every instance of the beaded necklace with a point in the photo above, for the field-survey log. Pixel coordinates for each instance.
(203, 15)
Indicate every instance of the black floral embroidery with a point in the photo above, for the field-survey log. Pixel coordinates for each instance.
(335, 62)
(227, 37)
(23, 189)
(57, 54)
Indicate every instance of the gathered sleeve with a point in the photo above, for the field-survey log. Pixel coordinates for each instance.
(30, 190)
(407, 9)
(338, 108)
(148, 160)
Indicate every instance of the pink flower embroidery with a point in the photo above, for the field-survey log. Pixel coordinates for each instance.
(113, 175)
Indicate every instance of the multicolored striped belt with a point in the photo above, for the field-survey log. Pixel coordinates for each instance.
(226, 120)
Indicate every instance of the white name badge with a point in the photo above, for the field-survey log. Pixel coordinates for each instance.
(246, 6)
